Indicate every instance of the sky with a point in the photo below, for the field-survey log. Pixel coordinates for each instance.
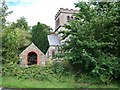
(38, 10)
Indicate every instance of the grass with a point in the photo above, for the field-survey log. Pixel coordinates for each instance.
(13, 82)
(0, 75)
(0, 81)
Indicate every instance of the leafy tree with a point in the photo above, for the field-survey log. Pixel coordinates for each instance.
(0, 43)
(13, 37)
(24, 38)
(10, 46)
(8, 50)
(21, 23)
(93, 44)
(14, 41)
(23, 32)
(39, 36)
(3, 14)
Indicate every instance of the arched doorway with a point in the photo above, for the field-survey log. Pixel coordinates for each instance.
(32, 58)
(53, 54)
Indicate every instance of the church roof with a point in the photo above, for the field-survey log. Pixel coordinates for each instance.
(53, 39)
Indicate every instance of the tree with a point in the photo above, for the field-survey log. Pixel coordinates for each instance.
(8, 50)
(24, 39)
(14, 41)
(21, 23)
(39, 36)
(93, 45)
(10, 46)
(4, 14)
(23, 32)
(14, 37)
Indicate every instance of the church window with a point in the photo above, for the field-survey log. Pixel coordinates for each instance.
(71, 17)
(68, 18)
(57, 22)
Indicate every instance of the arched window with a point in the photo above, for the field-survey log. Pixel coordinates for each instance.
(53, 54)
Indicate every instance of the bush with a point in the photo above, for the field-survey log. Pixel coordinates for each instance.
(106, 69)
(86, 79)
(33, 72)
(61, 67)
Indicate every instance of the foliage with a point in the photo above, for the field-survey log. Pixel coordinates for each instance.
(13, 41)
(20, 23)
(23, 32)
(57, 68)
(55, 72)
(9, 46)
(33, 72)
(4, 14)
(88, 81)
(14, 37)
(61, 67)
(39, 36)
(0, 44)
(93, 44)
(24, 38)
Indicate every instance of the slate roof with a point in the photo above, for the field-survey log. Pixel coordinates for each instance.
(53, 39)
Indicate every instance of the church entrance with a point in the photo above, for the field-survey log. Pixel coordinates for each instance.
(32, 58)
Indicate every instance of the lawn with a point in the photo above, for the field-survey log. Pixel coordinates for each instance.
(13, 82)
(10, 82)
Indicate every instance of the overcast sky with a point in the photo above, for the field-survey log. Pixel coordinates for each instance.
(38, 10)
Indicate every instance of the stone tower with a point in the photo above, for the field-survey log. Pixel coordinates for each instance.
(63, 16)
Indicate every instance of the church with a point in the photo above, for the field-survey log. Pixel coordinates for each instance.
(62, 17)
(32, 55)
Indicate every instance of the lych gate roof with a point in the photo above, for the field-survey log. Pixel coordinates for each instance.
(31, 47)
(53, 40)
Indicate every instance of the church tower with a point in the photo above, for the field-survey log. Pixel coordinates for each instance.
(62, 17)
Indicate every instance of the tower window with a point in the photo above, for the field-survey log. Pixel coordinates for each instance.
(71, 17)
(68, 18)
(57, 22)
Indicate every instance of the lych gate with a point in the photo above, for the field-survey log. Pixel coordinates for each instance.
(32, 55)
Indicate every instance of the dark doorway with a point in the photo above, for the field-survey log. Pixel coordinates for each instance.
(32, 58)
(53, 54)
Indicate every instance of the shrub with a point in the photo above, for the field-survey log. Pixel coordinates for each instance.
(61, 67)
(105, 68)
(33, 72)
